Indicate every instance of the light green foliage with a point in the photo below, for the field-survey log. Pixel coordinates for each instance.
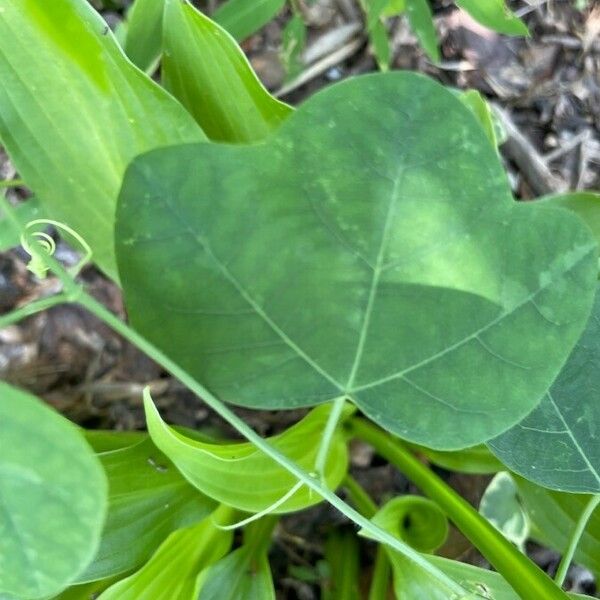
(25, 212)
(143, 36)
(228, 472)
(553, 518)
(242, 18)
(52, 498)
(501, 507)
(74, 112)
(206, 70)
(416, 520)
(375, 252)
(293, 42)
(244, 574)
(173, 572)
(342, 556)
(558, 444)
(421, 21)
(481, 109)
(148, 499)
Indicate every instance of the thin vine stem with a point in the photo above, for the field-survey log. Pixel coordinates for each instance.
(311, 480)
(33, 308)
(330, 427)
(563, 567)
(529, 581)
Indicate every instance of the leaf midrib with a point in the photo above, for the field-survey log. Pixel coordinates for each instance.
(579, 253)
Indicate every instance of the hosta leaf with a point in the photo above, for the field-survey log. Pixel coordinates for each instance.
(25, 212)
(495, 15)
(172, 572)
(74, 112)
(242, 476)
(208, 72)
(558, 444)
(554, 516)
(148, 499)
(242, 18)
(370, 248)
(143, 38)
(52, 498)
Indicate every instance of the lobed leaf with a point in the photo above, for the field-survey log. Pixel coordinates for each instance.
(240, 475)
(369, 248)
(558, 444)
(207, 71)
(52, 498)
(74, 112)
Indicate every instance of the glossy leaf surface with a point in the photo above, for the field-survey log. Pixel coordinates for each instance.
(242, 476)
(495, 15)
(242, 18)
(558, 444)
(148, 499)
(74, 112)
(207, 71)
(554, 516)
(370, 248)
(52, 498)
(172, 572)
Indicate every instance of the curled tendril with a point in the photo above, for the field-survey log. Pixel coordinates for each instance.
(40, 245)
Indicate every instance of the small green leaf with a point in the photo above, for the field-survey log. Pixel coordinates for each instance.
(74, 112)
(500, 506)
(242, 476)
(416, 520)
(144, 33)
(342, 556)
(25, 212)
(172, 573)
(52, 498)
(558, 445)
(554, 516)
(394, 7)
(380, 43)
(495, 15)
(374, 10)
(481, 109)
(370, 249)
(293, 42)
(208, 72)
(421, 20)
(148, 499)
(242, 18)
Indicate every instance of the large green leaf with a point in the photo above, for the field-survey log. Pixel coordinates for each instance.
(554, 516)
(585, 204)
(143, 39)
(74, 112)
(148, 499)
(242, 18)
(495, 15)
(52, 498)
(172, 572)
(228, 472)
(370, 248)
(208, 72)
(558, 444)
